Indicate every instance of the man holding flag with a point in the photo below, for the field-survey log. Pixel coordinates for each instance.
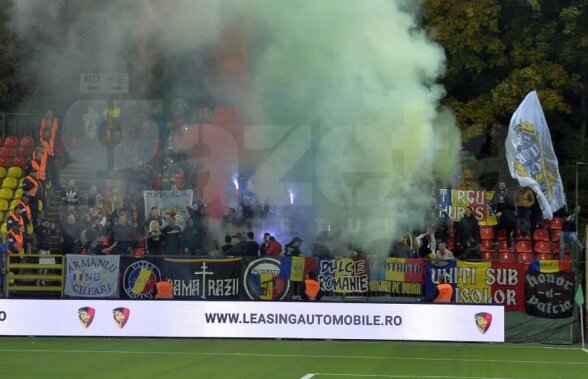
(530, 156)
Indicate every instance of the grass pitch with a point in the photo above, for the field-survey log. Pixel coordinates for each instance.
(201, 358)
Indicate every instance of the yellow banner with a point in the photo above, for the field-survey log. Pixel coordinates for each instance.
(470, 278)
(548, 266)
(394, 270)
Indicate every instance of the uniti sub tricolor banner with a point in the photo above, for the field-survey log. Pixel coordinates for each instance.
(482, 282)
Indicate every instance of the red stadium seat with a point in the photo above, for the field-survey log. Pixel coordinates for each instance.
(524, 247)
(487, 245)
(451, 244)
(520, 237)
(544, 256)
(487, 255)
(506, 257)
(565, 264)
(5, 161)
(503, 246)
(27, 141)
(6, 151)
(540, 235)
(19, 161)
(542, 247)
(524, 257)
(23, 151)
(487, 233)
(556, 223)
(11, 141)
(555, 234)
(139, 251)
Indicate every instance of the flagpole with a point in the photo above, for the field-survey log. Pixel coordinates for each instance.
(582, 326)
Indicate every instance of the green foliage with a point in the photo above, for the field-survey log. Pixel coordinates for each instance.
(498, 51)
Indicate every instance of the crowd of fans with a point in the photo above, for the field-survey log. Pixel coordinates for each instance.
(108, 218)
(518, 215)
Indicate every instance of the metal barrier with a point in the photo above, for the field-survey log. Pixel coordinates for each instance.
(31, 274)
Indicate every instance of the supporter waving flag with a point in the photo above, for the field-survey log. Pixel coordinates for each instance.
(530, 155)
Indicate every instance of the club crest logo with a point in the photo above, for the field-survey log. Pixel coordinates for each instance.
(121, 316)
(262, 280)
(86, 315)
(483, 321)
(140, 279)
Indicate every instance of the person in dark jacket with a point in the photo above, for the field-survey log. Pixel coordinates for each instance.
(292, 248)
(467, 228)
(172, 237)
(471, 250)
(191, 239)
(124, 234)
(251, 246)
(71, 236)
(503, 206)
(43, 235)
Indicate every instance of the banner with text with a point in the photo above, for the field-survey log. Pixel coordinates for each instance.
(480, 282)
(92, 275)
(247, 319)
(454, 202)
(200, 279)
(435, 269)
(343, 276)
(262, 279)
(166, 201)
(549, 295)
(397, 276)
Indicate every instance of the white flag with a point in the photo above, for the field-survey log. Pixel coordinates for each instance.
(530, 155)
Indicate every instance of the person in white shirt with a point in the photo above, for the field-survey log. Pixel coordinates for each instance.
(443, 254)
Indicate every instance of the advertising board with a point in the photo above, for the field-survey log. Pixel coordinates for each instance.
(234, 319)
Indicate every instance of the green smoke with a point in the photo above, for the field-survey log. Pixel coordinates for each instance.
(363, 76)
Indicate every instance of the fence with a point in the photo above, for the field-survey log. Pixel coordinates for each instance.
(34, 273)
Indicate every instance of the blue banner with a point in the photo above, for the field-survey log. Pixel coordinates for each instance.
(432, 272)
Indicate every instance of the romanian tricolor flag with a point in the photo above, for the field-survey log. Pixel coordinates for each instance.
(407, 270)
(267, 286)
(143, 279)
(77, 277)
(295, 268)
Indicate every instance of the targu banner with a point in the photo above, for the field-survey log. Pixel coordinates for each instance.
(481, 282)
(454, 202)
